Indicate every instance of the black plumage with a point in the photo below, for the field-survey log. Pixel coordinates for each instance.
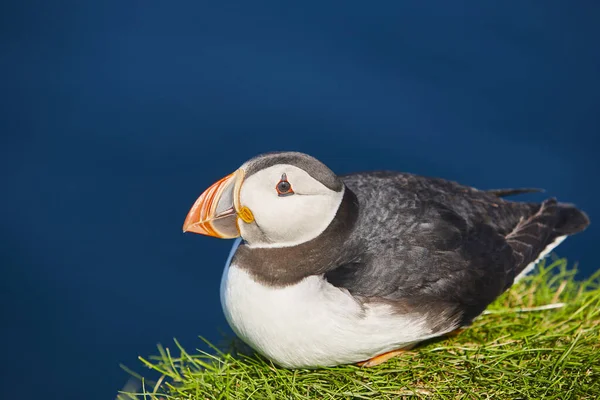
(438, 244)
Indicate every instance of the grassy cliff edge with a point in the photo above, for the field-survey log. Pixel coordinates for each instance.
(541, 339)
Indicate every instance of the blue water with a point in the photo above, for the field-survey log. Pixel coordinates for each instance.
(115, 116)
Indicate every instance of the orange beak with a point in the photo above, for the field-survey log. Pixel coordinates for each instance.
(215, 213)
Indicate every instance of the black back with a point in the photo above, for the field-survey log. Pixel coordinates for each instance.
(432, 244)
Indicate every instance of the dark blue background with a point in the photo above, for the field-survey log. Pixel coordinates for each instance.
(117, 115)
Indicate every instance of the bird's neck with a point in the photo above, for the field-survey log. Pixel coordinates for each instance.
(284, 266)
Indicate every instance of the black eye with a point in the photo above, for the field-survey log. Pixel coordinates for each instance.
(284, 188)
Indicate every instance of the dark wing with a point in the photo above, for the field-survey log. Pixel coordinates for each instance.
(434, 245)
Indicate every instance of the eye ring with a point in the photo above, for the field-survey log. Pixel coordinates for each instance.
(283, 187)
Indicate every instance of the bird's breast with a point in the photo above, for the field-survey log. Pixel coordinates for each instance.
(312, 323)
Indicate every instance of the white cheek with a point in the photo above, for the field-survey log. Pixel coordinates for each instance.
(288, 220)
(291, 220)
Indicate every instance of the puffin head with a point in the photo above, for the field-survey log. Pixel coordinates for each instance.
(273, 200)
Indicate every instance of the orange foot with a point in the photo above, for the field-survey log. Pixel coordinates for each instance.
(384, 357)
(455, 332)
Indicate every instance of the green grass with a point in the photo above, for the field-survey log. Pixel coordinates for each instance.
(519, 349)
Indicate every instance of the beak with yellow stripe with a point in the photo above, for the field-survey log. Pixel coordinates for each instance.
(217, 210)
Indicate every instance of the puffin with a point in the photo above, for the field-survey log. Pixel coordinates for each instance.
(355, 269)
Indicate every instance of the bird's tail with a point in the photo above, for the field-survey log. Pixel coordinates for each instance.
(534, 237)
(513, 191)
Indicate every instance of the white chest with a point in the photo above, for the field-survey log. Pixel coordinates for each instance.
(312, 323)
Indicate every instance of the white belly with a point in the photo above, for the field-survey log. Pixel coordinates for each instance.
(312, 323)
